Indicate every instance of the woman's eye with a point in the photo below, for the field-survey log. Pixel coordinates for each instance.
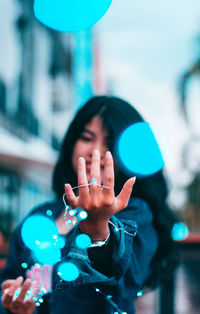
(86, 138)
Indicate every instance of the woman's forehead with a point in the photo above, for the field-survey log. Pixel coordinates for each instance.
(95, 125)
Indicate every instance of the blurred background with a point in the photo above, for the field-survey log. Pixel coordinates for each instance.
(145, 52)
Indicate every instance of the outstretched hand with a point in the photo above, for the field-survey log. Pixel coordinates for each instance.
(98, 201)
(20, 304)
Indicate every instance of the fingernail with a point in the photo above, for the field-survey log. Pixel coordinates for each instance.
(108, 154)
(81, 160)
(134, 179)
(19, 279)
(96, 152)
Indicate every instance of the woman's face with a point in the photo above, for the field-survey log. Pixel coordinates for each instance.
(94, 136)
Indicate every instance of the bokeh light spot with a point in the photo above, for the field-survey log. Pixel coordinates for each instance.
(94, 180)
(139, 293)
(49, 212)
(47, 254)
(179, 231)
(61, 242)
(68, 271)
(28, 293)
(16, 294)
(72, 212)
(82, 215)
(83, 241)
(24, 265)
(37, 229)
(43, 290)
(138, 151)
(68, 15)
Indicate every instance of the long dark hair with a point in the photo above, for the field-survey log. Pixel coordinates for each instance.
(117, 115)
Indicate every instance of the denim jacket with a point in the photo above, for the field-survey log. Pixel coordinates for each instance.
(134, 245)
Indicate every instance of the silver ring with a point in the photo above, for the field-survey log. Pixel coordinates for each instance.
(82, 185)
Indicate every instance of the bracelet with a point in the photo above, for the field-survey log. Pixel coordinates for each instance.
(99, 243)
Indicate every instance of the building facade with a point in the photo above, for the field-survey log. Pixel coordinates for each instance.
(44, 77)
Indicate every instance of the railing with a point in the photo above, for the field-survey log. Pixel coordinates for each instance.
(178, 289)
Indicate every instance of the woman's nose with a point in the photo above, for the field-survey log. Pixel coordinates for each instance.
(102, 150)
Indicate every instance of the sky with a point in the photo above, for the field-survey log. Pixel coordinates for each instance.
(145, 48)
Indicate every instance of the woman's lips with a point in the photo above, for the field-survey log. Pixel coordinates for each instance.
(88, 167)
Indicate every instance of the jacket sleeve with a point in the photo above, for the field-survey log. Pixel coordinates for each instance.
(140, 243)
(134, 243)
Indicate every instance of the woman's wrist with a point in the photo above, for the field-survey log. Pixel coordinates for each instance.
(96, 231)
(97, 243)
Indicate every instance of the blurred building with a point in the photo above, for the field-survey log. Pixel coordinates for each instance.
(44, 77)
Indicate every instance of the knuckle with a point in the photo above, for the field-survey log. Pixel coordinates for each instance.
(95, 204)
(109, 179)
(108, 201)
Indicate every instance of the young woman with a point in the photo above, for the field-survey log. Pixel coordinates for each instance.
(128, 222)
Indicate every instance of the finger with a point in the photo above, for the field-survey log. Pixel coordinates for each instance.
(95, 173)
(7, 284)
(32, 298)
(35, 289)
(109, 175)
(20, 299)
(8, 293)
(124, 195)
(82, 179)
(95, 166)
(108, 180)
(73, 200)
